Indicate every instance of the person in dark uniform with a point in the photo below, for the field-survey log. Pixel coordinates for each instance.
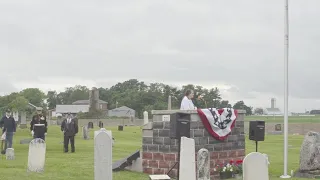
(39, 118)
(69, 127)
(8, 125)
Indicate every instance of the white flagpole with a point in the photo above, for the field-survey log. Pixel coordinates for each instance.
(286, 89)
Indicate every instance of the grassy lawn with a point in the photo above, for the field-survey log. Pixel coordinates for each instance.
(79, 166)
(279, 119)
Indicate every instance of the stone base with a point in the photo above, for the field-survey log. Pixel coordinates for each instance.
(23, 126)
(159, 177)
(308, 174)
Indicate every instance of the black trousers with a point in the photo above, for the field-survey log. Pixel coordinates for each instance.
(66, 143)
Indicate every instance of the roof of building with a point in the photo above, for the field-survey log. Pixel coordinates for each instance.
(88, 102)
(122, 108)
(72, 108)
(273, 109)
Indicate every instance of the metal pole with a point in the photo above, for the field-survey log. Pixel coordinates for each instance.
(286, 82)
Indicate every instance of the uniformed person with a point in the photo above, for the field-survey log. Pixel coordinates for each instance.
(69, 127)
(39, 118)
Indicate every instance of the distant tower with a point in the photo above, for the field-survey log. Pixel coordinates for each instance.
(273, 102)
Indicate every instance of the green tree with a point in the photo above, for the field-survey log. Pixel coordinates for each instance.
(34, 96)
(18, 104)
(243, 106)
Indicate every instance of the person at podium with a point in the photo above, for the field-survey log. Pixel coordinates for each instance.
(39, 125)
(187, 103)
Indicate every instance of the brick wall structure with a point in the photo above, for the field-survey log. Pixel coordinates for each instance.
(160, 152)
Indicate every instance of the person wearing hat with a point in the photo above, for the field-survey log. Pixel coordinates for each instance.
(69, 127)
(8, 125)
(39, 118)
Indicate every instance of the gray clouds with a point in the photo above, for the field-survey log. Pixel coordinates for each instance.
(239, 43)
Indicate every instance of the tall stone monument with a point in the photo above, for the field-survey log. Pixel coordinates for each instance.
(169, 103)
(94, 99)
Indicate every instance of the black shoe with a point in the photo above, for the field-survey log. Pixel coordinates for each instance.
(3, 152)
(73, 151)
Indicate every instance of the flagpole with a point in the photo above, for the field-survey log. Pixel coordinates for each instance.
(286, 91)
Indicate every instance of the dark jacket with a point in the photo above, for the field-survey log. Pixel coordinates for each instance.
(8, 124)
(36, 119)
(70, 129)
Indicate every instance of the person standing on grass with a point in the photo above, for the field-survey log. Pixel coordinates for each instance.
(8, 125)
(39, 118)
(69, 127)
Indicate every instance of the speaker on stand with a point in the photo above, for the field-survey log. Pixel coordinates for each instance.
(179, 127)
(256, 131)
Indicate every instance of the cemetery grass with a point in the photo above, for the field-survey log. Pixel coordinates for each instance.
(79, 166)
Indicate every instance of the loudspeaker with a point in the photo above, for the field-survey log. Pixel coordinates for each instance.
(180, 125)
(256, 130)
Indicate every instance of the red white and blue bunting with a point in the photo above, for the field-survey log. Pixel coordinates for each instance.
(218, 122)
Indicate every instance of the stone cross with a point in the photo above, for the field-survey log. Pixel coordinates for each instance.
(259, 163)
(103, 155)
(187, 164)
(10, 154)
(169, 103)
(203, 164)
(37, 155)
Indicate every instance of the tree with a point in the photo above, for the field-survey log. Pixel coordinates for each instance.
(34, 96)
(258, 111)
(19, 104)
(241, 105)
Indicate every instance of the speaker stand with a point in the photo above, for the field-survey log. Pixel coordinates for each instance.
(256, 146)
(177, 163)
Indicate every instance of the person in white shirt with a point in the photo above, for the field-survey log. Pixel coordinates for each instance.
(186, 103)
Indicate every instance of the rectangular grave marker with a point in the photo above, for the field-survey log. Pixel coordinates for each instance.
(187, 164)
(10, 154)
(103, 155)
(255, 166)
(37, 155)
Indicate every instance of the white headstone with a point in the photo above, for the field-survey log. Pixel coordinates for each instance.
(23, 116)
(10, 154)
(85, 132)
(166, 118)
(103, 155)
(187, 164)
(203, 164)
(159, 177)
(145, 117)
(255, 166)
(37, 155)
(15, 115)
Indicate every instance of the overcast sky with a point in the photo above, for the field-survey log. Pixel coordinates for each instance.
(235, 45)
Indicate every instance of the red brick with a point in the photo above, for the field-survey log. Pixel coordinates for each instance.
(214, 155)
(220, 162)
(147, 170)
(147, 155)
(241, 153)
(158, 156)
(158, 171)
(172, 163)
(232, 154)
(223, 155)
(145, 163)
(153, 164)
(212, 163)
(169, 157)
(164, 164)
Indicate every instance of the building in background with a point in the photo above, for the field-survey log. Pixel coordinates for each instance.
(122, 111)
(102, 104)
(273, 110)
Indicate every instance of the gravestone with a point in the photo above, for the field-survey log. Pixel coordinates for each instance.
(159, 177)
(85, 133)
(23, 123)
(169, 103)
(103, 155)
(187, 164)
(100, 124)
(145, 117)
(203, 164)
(10, 154)
(90, 125)
(37, 155)
(309, 156)
(277, 127)
(255, 166)
(26, 141)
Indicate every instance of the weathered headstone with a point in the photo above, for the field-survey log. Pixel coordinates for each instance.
(255, 166)
(10, 154)
(23, 123)
(169, 103)
(187, 164)
(90, 125)
(145, 117)
(203, 164)
(103, 155)
(85, 132)
(100, 124)
(310, 156)
(277, 127)
(37, 155)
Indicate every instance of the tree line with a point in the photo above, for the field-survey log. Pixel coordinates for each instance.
(131, 93)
